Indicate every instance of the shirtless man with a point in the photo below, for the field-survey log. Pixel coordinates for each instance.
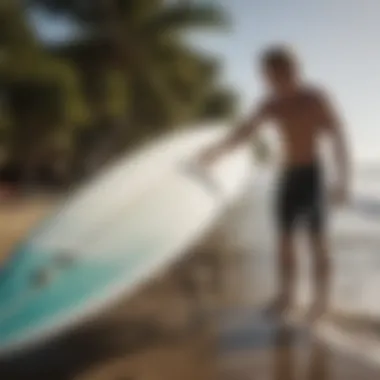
(302, 114)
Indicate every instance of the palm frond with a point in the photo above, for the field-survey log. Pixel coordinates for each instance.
(180, 17)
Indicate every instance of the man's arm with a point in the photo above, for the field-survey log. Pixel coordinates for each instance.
(335, 129)
(239, 135)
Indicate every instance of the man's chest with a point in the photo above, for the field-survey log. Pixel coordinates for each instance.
(301, 110)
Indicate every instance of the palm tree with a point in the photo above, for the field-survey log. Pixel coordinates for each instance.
(37, 91)
(165, 82)
(137, 33)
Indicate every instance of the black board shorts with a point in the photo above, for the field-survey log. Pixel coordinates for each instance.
(301, 198)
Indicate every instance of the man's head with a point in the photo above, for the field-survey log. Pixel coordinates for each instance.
(280, 68)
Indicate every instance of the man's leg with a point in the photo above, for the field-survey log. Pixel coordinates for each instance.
(319, 251)
(321, 273)
(286, 269)
(286, 215)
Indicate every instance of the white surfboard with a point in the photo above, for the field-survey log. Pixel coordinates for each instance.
(116, 232)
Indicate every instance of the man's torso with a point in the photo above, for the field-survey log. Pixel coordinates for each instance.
(299, 119)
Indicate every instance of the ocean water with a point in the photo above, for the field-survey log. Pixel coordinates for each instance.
(354, 244)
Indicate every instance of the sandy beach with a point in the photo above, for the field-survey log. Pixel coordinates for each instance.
(194, 322)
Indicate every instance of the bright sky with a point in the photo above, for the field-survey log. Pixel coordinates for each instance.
(338, 41)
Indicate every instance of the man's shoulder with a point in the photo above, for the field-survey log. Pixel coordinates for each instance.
(267, 104)
(314, 92)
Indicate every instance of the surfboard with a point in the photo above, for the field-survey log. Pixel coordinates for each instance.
(116, 232)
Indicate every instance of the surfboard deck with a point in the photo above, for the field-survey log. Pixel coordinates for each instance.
(112, 236)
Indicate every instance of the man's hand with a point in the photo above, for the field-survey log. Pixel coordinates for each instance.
(240, 134)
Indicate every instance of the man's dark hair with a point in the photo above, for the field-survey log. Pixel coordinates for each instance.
(278, 57)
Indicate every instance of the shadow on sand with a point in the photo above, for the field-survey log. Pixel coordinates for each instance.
(79, 350)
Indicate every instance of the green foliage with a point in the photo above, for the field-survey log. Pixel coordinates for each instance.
(146, 38)
(129, 63)
(15, 33)
(219, 104)
(117, 94)
(179, 17)
(41, 94)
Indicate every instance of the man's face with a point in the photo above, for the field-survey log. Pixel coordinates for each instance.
(280, 78)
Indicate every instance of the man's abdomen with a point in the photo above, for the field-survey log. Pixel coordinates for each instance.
(300, 151)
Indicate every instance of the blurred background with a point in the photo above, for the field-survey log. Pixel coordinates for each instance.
(85, 81)
(82, 81)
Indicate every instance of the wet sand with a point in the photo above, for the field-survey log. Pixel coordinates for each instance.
(194, 322)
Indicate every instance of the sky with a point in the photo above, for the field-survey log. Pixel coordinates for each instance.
(51, 28)
(337, 41)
